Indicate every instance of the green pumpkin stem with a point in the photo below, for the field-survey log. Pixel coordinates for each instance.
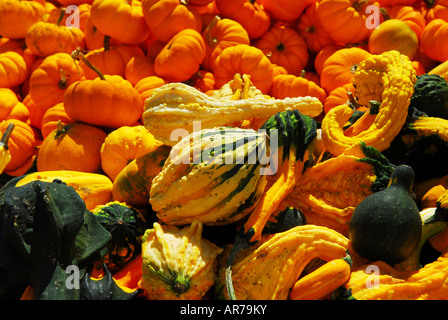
(5, 137)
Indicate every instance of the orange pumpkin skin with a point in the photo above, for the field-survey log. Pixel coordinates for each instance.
(13, 69)
(285, 10)
(250, 14)
(94, 38)
(50, 80)
(244, 59)
(394, 34)
(181, 57)
(21, 143)
(338, 96)
(292, 86)
(165, 18)
(53, 14)
(46, 38)
(345, 20)
(311, 30)
(340, 67)
(74, 146)
(8, 100)
(285, 47)
(111, 103)
(106, 14)
(220, 34)
(433, 40)
(17, 16)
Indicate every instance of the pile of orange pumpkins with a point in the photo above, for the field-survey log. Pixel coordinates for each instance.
(52, 52)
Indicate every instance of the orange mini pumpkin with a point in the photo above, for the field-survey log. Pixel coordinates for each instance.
(128, 15)
(250, 14)
(21, 144)
(74, 146)
(285, 47)
(51, 118)
(345, 20)
(108, 100)
(166, 18)
(146, 85)
(285, 10)
(46, 38)
(244, 59)
(50, 80)
(289, 85)
(220, 34)
(13, 69)
(433, 40)
(341, 66)
(181, 57)
(17, 16)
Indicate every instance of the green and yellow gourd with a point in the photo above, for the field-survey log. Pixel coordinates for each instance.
(212, 175)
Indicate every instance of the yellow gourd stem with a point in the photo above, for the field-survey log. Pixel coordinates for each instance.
(322, 281)
(290, 171)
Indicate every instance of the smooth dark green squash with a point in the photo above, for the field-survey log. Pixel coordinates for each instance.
(126, 225)
(387, 224)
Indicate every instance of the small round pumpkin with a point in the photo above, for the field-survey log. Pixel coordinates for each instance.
(74, 146)
(128, 15)
(165, 18)
(52, 116)
(146, 85)
(220, 34)
(21, 143)
(290, 85)
(126, 225)
(139, 67)
(50, 80)
(181, 57)
(433, 40)
(285, 47)
(244, 59)
(13, 69)
(17, 16)
(46, 38)
(285, 10)
(108, 100)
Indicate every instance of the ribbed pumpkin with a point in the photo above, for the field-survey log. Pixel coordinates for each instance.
(146, 85)
(13, 69)
(108, 100)
(50, 80)
(211, 175)
(285, 10)
(181, 57)
(21, 143)
(51, 118)
(106, 14)
(74, 146)
(220, 34)
(244, 59)
(285, 47)
(178, 264)
(126, 226)
(165, 18)
(289, 85)
(139, 67)
(17, 16)
(46, 38)
(432, 41)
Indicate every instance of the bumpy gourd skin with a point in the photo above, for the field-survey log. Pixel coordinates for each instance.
(268, 270)
(388, 78)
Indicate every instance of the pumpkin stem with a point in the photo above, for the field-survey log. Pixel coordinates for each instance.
(430, 3)
(358, 5)
(63, 83)
(60, 129)
(212, 42)
(106, 43)
(280, 47)
(385, 14)
(6, 135)
(61, 16)
(78, 55)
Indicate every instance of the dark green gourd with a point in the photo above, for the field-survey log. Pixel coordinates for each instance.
(387, 225)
